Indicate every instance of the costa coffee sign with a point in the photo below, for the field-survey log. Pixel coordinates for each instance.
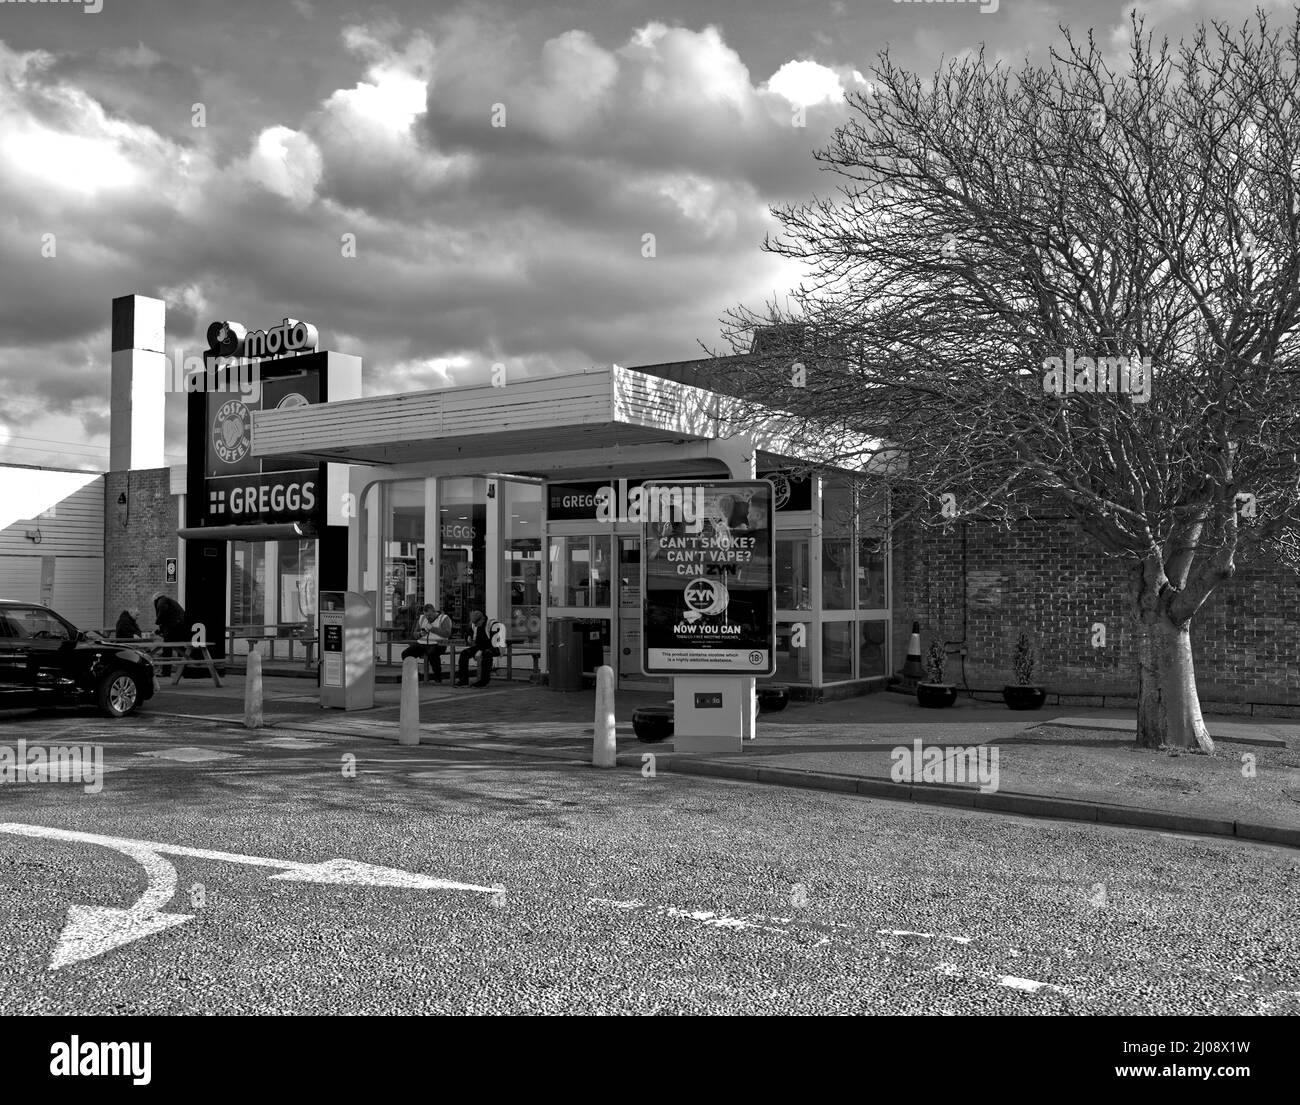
(231, 339)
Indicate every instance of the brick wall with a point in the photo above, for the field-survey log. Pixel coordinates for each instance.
(138, 538)
(1047, 578)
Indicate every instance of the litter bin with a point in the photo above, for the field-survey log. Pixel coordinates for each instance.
(564, 656)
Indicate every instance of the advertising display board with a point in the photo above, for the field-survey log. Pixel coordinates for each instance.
(242, 488)
(347, 649)
(708, 576)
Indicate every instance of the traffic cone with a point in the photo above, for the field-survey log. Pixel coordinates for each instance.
(912, 668)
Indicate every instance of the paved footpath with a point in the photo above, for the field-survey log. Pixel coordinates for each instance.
(849, 746)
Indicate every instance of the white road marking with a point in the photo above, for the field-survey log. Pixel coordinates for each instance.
(289, 742)
(716, 920)
(1029, 985)
(93, 930)
(190, 755)
(924, 935)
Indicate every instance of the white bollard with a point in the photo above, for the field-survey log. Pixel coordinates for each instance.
(253, 691)
(603, 751)
(409, 727)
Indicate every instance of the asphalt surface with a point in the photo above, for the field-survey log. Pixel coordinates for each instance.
(618, 893)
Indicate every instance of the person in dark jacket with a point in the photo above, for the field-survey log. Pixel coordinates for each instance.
(480, 645)
(171, 618)
(172, 624)
(127, 626)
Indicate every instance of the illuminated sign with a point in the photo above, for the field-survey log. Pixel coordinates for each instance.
(231, 339)
(709, 579)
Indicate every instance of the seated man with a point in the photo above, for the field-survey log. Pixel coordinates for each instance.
(480, 645)
(433, 635)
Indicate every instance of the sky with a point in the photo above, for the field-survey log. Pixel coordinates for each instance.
(437, 187)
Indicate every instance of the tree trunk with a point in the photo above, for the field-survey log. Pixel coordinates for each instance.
(1169, 708)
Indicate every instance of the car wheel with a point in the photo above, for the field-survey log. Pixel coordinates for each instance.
(118, 693)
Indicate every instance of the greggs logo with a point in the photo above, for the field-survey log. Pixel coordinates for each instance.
(231, 339)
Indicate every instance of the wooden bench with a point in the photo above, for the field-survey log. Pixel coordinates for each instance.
(524, 646)
(154, 649)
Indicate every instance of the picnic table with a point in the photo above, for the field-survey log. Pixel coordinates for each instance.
(154, 647)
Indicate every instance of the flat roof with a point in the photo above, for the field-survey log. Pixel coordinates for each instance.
(603, 419)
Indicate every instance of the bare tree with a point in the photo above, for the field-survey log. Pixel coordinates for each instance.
(997, 238)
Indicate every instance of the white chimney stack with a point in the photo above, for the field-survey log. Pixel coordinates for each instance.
(138, 403)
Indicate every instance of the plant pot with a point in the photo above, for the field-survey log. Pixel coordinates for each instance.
(936, 695)
(1023, 697)
(652, 724)
(773, 698)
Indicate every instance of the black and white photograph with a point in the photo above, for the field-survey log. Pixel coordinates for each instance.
(676, 508)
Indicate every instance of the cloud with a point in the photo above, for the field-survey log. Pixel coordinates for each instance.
(806, 83)
(285, 162)
(476, 244)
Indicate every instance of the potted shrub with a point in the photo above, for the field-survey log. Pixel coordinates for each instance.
(936, 692)
(1024, 695)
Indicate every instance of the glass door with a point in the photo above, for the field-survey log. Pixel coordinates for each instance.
(581, 592)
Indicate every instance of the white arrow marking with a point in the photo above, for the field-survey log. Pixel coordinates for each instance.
(93, 930)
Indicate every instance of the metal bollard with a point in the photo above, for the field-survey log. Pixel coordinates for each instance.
(604, 752)
(253, 691)
(409, 727)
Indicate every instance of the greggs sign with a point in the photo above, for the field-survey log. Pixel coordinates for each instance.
(231, 339)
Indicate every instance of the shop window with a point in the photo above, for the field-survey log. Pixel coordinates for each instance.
(793, 654)
(873, 646)
(837, 651)
(402, 552)
(580, 571)
(247, 583)
(793, 573)
(522, 552)
(837, 546)
(872, 593)
(462, 527)
(297, 561)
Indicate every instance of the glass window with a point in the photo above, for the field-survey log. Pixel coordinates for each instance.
(580, 571)
(871, 574)
(793, 575)
(522, 550)
(837, 651)
(793, 656)
(837, 572)
(462, 523)
(837, 545)
(872, 648)
(247, 584)
(402, 551)
(297, 582)
(33, 621)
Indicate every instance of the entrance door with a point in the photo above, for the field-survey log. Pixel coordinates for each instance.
(581, 591)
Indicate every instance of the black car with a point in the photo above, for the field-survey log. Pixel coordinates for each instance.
(45, 660)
